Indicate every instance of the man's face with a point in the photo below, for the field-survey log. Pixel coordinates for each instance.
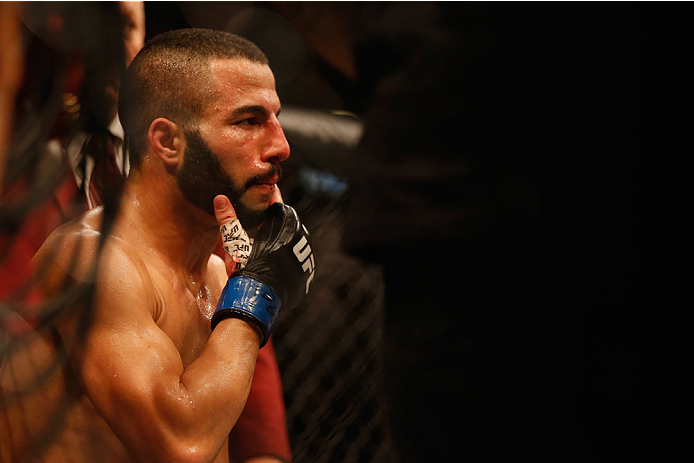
(239, 143)
(202, 177)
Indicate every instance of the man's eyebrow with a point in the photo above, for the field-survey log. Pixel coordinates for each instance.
(254, 109)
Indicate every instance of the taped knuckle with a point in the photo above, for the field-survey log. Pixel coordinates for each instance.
(236, 243)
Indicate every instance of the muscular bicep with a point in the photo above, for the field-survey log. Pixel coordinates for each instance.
(127, 362)
(125, 351)
(135, 377)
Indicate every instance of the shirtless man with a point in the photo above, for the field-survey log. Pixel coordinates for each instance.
(160, 374)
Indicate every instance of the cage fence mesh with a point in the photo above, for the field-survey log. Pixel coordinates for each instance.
(329, 354)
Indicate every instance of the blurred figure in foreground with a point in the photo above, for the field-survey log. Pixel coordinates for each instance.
(11, 64)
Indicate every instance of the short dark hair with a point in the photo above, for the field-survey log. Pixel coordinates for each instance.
(169, 78)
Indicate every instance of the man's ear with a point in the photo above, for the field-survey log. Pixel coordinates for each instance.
(167, 141)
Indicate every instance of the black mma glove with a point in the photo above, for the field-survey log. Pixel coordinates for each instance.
(278, 274)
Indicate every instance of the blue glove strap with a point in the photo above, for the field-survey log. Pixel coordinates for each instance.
(250, 300)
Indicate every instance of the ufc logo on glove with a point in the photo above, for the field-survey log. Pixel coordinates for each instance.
(302, 251)
(278, 272)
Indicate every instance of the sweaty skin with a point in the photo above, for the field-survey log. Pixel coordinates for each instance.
(149, 382)
(139, 360)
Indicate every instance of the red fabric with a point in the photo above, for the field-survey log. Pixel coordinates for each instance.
(22, 245)
(106, 178)
(261, 428)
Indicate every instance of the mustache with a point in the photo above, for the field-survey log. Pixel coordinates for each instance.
(274, 170)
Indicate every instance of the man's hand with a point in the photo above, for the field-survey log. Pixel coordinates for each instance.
(279, 270)
(276, 196)
(235, 240)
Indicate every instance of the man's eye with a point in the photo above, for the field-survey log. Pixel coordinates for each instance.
(248, 121)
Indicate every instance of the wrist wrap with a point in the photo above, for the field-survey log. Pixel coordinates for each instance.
(249, 300)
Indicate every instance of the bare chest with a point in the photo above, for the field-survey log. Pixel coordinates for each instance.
(184, 315)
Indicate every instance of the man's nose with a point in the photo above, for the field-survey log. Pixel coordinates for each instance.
(278, 149)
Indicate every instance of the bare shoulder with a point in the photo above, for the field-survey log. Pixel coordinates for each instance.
(70, 251)
(77, 252)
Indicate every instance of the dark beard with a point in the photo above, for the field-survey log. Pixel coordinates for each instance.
(202, 177)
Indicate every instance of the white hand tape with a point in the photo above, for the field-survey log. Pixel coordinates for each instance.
(236, 243)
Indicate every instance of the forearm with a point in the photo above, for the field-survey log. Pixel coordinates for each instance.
(214, 388)
(220, 379)
(186, 414)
